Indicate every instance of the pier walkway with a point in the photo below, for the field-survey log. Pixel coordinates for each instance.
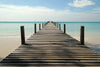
(51, 47)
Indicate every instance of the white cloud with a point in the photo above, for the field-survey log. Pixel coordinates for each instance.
(81, 3)
(11, 12)
(27, 13)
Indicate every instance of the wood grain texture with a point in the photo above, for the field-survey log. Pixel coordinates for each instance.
(51, 47)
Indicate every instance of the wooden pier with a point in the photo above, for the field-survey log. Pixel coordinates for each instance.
(52, 47)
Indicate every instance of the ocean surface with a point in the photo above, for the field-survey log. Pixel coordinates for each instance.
(10, 34)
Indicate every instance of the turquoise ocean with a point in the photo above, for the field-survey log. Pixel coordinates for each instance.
(11, 30)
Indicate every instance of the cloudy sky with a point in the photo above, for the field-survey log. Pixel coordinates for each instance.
(53, 10)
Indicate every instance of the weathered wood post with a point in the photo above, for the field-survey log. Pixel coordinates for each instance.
(34, 28)
(64, 28)
(82, 35)
(39, 26)
(59, 26)
(22, 35)
(42, 25)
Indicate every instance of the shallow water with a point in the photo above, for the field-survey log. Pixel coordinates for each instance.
(92, 30)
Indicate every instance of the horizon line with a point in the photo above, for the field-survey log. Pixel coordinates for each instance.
(47, 21)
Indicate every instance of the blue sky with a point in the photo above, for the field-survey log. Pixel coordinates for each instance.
(55, 10)
(53, 4)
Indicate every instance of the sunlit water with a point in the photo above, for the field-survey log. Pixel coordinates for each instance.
(10, 34)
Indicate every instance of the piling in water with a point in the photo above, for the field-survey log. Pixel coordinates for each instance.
(82, 35)
(39, 26)
(42, 25)
(64, 28)
(34, 28)
(59, 26)
(22, 35)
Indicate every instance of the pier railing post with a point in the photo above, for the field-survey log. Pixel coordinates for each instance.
(22, 35)
(34, 28)
(64, 28)
(39, 26)
(42, 25)
(59, 26)
(82, 35)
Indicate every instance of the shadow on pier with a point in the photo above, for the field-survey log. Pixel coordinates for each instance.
(52, 47)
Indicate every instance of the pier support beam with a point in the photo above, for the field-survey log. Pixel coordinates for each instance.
(34, 28)
(82, 35)
(64, 28)
(22, 35)
(59, 26)
(39, 26)
(42, 25)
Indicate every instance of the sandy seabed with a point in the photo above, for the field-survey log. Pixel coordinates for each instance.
(8, 45)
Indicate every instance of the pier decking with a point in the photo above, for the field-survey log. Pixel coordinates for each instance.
(51, 47)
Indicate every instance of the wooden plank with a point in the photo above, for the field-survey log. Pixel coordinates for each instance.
(51, 47)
